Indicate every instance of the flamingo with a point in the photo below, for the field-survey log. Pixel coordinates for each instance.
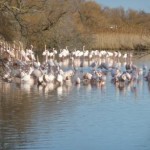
(26, 77)
(46, 54)
(125, 56)
(78, 80)
(48, 78)
(59, 79)
(147, 77)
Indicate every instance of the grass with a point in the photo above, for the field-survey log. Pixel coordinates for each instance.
(121, 41)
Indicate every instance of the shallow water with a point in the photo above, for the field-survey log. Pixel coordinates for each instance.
(75, 117)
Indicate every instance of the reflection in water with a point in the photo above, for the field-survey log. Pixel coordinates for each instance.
(18, 110)
(69, 116)
(14, 116)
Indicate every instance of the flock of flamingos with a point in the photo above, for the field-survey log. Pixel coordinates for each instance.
(60, 67)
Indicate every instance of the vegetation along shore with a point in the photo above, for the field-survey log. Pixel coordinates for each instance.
(73, 23)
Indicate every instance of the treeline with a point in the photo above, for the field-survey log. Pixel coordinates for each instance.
(74, 23)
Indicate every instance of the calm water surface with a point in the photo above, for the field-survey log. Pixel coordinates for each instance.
(75, 117)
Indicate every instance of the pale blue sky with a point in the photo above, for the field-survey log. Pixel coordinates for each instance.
(134, 4)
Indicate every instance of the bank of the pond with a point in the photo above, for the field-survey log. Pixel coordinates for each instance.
(121, 41)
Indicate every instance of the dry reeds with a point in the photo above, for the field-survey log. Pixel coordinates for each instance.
(121, 41)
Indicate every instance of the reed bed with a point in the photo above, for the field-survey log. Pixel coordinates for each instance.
(121, 41)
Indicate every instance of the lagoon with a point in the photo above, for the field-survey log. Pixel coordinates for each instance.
(74, 117)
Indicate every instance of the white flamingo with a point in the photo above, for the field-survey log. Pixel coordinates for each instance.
(59, 79)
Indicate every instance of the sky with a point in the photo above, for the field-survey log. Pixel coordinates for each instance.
(133, 4)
